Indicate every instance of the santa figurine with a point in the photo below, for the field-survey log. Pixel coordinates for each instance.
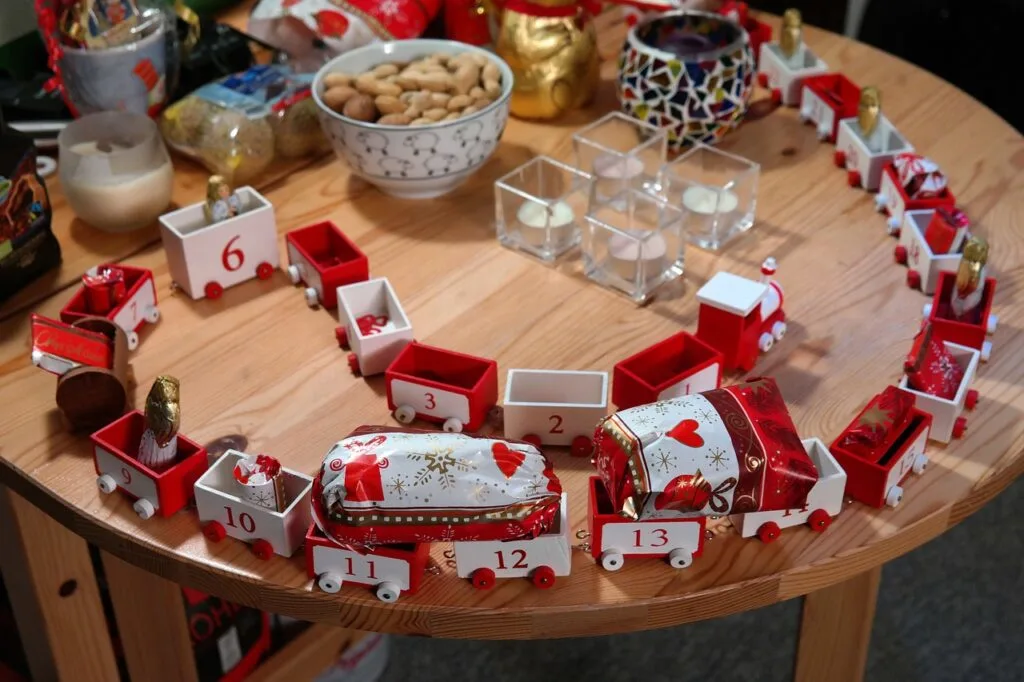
(970, 279)
(159, 446)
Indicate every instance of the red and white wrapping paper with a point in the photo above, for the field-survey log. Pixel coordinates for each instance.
(919, 176)
(879, 424)
(58, 347)
(726, 451)
(261, 482)
(930, 367)
(384, 485)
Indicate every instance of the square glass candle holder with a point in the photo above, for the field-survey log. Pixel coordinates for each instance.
(717, 190)
(620, 153)
(539, 207)
(635, 244)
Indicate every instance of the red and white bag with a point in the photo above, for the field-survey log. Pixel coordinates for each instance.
(384, 485)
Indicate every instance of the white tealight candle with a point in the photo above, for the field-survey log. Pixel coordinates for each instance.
(615, 167)
(707, 201)
(534, 217)
(628, 254)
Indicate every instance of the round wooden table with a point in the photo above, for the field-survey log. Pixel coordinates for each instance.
(261, 370)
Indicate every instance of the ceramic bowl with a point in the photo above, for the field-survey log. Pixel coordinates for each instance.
(688, 72)
(418, 162)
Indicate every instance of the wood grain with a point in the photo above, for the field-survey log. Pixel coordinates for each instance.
(259, 365)
(307, 655)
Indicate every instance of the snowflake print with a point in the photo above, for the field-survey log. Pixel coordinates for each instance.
(439, 466)
(716, 458)
(264, 498)
(532, 488)
(479, 491)
(397, 487)
(389, 8)
(447, 534)
(706, 415)
(646, 421)
(664, 461)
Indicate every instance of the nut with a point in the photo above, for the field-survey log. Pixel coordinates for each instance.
(440, 99)
(435, 114)
(394, 120)
(490, 72)
(465, 78)
(492, 88)
(332, 80)
(471, 109)
(477, 91)
(435, 82)
(336, 97)
(361, 108)
(385, 70)
(421, 122)
(459, 102)
(368, 84)
(386, 104)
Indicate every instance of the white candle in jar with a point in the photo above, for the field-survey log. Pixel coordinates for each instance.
(707, 201)
(641, 249)
(615, 167)
(534, 217)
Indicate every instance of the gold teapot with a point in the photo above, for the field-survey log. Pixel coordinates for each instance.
(551, 46)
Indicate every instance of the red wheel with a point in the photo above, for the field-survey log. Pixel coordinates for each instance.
(913, 279)
(341, 334)
(768, 532)
(262, 549)
(900, 254)
(213, 291)
(353, 363)
(533, 439)
(819, 520)
(482, 578)
(582, 446)
(959, 427)
(839, 158)
(264, 270)
(214, 531)
(853, 178)
(972, 399)
(543, 577)
(762, 80)
(776, 97)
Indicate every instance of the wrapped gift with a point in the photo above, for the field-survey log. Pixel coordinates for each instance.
(384, 485)
(946, 231)
(104, 289)
(919, 176)
(261, 482)
(725, 451)
(881, 422)
(930, 367)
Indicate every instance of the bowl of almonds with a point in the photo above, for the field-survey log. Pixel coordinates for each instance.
(415, 118)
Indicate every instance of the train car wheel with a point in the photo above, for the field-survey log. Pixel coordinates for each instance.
(920, 464)
(971, 400)
(133, 340)
(926, 310)
(959, 427)
(452, 425)
(329, 582)
(853, 178)
(680, 558)
(582, 446)
(611, 560)
(482, 578)
(213, 291)
(533, 439)
(294, 274)
(880, 203)
(341, 334)
(768, 532)
(894, 496)
(776, 97)
(762, 80)
(766, 342)
(892, 226)
(839, 159)
(106, 484)
(264, 270)
(144, 508)
(779, 330)
(991, 324)
(899, 254)
(819, 520)
(388, 592)
(353, 363)
(824, 133)
(262, 549)
(405, 414)
(312, 300)
(986, 350)
(214, 531)
(543, 577)
(153, 314)
(913, 279)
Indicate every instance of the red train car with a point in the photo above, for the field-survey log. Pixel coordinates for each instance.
(129, 309)
(323, 258)
(826, 100)
(679, 365)
(970, 333)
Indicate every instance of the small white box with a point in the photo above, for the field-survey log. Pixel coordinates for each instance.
(864, 158)
(920, 257)
(375, 344)
(556, 406)
(787, 74)
(946, 412)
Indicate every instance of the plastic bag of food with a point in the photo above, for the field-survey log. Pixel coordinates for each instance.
(238, 125)
(384, 485)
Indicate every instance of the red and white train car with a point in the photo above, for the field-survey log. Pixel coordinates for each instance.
(739, 317)
(971, 332)
(115, 453)
(827, 99)
(923, 264)
(373, 325)
(892, 200)
(441, 386)
(948, 421)
(824, 502)
(862, 157)
(785, 76)
(323, 258)
(206, 258)
(679, 365)
(222, 513)
(555, 407)
(129, 310)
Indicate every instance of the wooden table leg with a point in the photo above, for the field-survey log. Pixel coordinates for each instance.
(836, 630)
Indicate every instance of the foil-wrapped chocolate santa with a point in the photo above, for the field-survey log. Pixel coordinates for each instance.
(970, 279)
(159, 446)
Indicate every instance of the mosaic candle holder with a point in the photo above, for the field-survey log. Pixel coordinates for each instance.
(620, 153)
(539, 207)
(717, 190)
(634, 249)
(691, 73)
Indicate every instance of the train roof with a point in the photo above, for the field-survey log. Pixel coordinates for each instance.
(732, 293)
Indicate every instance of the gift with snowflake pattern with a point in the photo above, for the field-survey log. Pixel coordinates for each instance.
(387, 485)
(930, 367)
(879, 424)
(728, 450)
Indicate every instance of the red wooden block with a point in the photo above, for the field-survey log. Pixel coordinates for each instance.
(834, 97)
(676, 366)
(324, 258)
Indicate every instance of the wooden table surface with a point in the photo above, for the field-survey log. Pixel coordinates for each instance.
(259, 368)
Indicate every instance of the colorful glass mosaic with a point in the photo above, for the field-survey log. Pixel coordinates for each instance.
(689, 73)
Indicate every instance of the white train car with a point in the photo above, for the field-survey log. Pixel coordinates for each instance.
(948, 421)
(865, 158)
(223, 513)
(205, 259)
(373, 325)
(892, 199)
(824, 502)
(785, 76)
(541, 559)
(923, 266)
(555, 407)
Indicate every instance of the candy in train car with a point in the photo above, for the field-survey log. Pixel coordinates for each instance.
(679, 365)
(882, 446)
(866, 143)
(555, 407)
(254, 499)
(971, 319)
(786, 64)
(323, 258)
(824, 501)
(124, 294)
(931, 242)
(373, 325)
(827, 99)
(911, 182)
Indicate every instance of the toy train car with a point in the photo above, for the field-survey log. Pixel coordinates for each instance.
(785, 76)
(948, 421)
(864, 158)
(115, 453)
(554, 407)
(373, 325)
(923, 264)
(130, 311)
(679, 365)
(892, 199)
(222, 513)
(971, 332)
(826, 100)
(323, 258)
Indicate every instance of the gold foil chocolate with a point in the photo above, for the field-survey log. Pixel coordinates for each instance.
(869, 112)
(163, 409)
(972, 266)
(221, 202)
(792, 32)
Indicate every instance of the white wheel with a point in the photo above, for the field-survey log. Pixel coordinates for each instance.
(329, 582)
(894, 496)
(779, 330)
(926, 310)
(452, 425)
(388, 592)
(312, 300)
(991, 324)
(920, 464)
(824, 132)
(986, 350)
(294, 274)
(144, 508)
(805, 115)
(766, 342)
(612, 560)
(680, 558)
(892, 225)
(879, 202)
(133, 340)
(106, 484)
(153, 314)
(405, 414)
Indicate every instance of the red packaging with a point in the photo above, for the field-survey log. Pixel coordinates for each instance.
(59, 347)
(946, 230)
(384, 485)
(726, 451)
(104, 290)
(930, 367)
(879, 424)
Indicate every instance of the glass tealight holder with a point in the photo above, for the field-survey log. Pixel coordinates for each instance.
(540, 207)
(717, 190)
(635, 244)
(621, 153)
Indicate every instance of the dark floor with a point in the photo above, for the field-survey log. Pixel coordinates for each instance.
(951, 611)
